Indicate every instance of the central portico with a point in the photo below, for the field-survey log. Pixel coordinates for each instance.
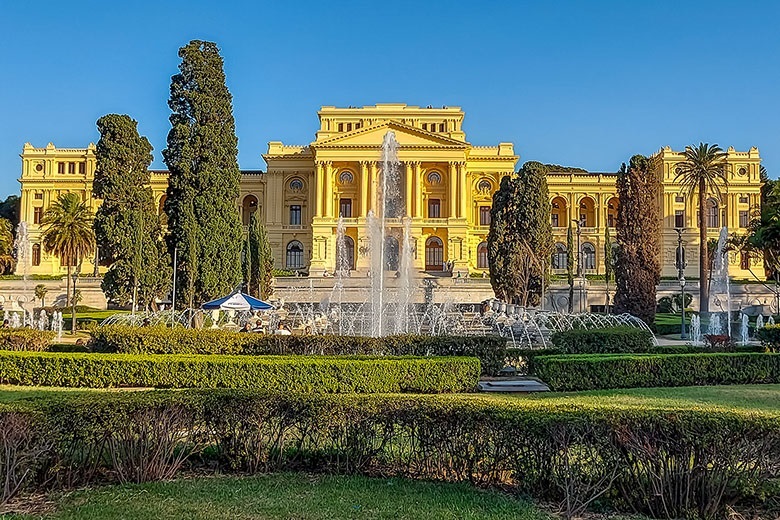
(446, 188)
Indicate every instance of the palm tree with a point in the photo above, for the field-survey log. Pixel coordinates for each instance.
(703, 172)
(68, 234)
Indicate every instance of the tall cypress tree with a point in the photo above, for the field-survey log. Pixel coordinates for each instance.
(128, 231)
(204, 177)
(637, 268)
(520, 237)
(261, 259)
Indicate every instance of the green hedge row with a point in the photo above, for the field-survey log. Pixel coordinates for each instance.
(554, 452)
(25, 339)
(288, 373)
(770, 337)
(611, 340)
(593, 372)
(491, 350)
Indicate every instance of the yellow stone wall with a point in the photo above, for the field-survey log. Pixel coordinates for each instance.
(438, 164)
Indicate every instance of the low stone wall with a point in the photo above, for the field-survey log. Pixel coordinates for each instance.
(23, 291)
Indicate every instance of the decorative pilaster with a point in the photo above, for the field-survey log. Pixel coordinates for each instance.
(452, 190)
(462, 189)
(364, 188)
(372, 175)
(418, 188)
(328, 189)
(319, 188)
(409, 195)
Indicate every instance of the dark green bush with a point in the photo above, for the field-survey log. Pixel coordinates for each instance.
(549, 451)
(593, 372)
(291, 373)
(770, 337)
(25, 339)
(603, 341)
(491, 350)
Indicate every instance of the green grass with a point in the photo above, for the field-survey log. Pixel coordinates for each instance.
(96, 315)
(291, 495)
(763, 398)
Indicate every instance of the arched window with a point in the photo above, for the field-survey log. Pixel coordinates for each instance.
(296, 185)
(482, 256)
(345, 255)
(161, 209)
(294, 255)
(36, 254)
(588, 256)
(346, 177)
(484, 186)
(612, 211)
(248, 207)
(559, 212)
(434, 178)
(560, 259)
(587, 212)
(434, 254)
(391, 254)
(713, 215)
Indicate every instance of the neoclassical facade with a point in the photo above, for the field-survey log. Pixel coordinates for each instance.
(446, 185)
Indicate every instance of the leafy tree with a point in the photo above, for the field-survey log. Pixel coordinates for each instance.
(67, 233)
(638, 268)
(570, 265)
(703, 172)
(764, 232)
(9, 210)
(520, 237)
(204, 177)
(609, 261)
(40, 293)
(261, 260)
(6, 246)
(127, 227)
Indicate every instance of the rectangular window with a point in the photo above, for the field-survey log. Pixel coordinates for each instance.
(434, 208)
(679, 219)
(36, 254)
(610, 220)
(441, 127)
(349, 127)
(484, 215)
(60, 167)
(743, 219)
(82, 168)
(71, 167)
(37, 214)
(743, 199)
(39, 196)
(295, 215)
(345, 208)
(554, 220)
(341, 127)
(744, 260)
(679, 198)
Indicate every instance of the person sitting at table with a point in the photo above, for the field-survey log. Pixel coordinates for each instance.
(283, 330)
(246, 327)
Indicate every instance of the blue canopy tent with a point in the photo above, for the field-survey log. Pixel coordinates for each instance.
(237, 301)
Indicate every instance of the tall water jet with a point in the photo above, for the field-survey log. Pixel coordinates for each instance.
(720, 290)
(759, 322)
(405, 288)
(714, 328)
(743, 330)
(22, 246)
(342, 269)
(696, 329)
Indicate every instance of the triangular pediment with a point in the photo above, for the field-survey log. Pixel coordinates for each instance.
(372, 137)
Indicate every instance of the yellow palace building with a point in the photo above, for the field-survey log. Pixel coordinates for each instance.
(447, 186)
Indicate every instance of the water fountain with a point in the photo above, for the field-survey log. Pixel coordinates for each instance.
(720, 289)
(696, 330)
(743, 330)
(771, 320)
(759, 322)
(43, 320)
(714, 328)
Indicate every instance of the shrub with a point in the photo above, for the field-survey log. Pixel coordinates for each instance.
(491, 350)
(603, 341)
(292, 373)
(770, 337)
(25, 339)
(697, 457)
(593, 372)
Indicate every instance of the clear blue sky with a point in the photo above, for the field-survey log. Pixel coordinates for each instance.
(581, 83)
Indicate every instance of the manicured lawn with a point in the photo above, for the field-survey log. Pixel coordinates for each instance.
(765, 398)
(291, 495)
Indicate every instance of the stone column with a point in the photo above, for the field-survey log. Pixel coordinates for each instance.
(462, 190)
(452, 187)
(372, 175)
(417, 206)
(328, 189)
(364, 188)
(409, 195)
(319, 187)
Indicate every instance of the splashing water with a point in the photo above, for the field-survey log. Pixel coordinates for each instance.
(714, 328)
(743, 329)
(720, 287)
(759, 322)
(696, 329)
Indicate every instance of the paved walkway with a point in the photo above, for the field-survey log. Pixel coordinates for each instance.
(513, 385)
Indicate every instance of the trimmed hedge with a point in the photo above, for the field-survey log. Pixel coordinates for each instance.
(593, 372)
(549, 451)
(611, 340)
(25, 339)
(491, 350)
(288, 373)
